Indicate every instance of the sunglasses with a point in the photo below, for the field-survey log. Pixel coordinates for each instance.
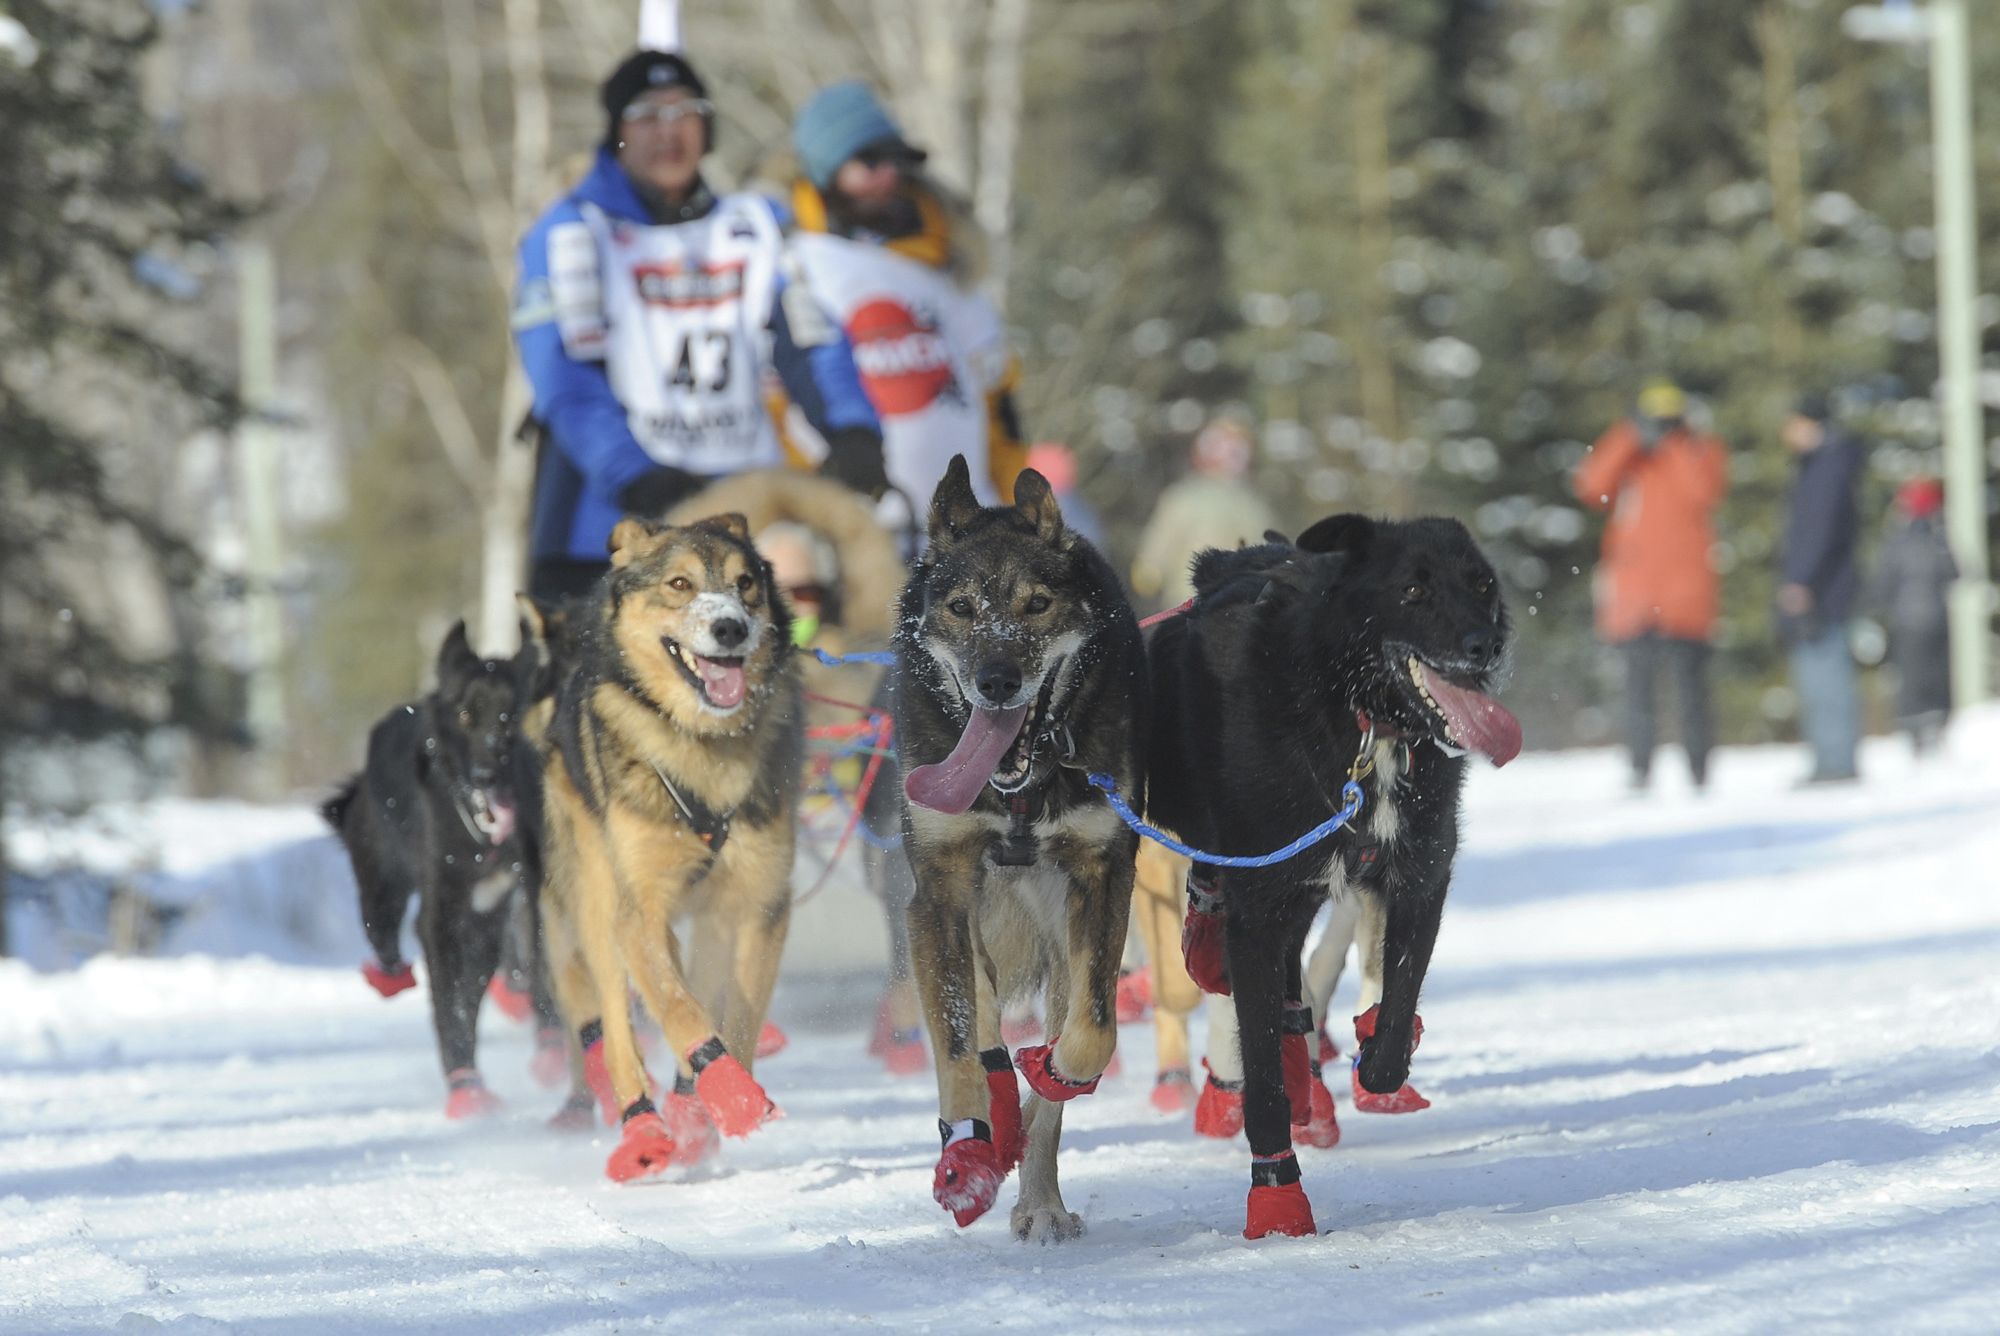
(665, 113)
(885, 155)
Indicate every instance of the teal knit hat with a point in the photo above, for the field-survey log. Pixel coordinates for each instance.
(838, 123)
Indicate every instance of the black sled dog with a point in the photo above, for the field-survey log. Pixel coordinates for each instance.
(432, 815)
(1019, 669)
(1362, 652)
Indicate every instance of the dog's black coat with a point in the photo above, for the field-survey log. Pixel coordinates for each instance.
(409, 822)
(1257, 690)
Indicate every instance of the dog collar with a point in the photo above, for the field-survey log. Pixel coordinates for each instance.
(710, 827)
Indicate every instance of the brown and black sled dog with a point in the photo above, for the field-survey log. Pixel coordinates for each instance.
(671, 773)
(1019, 670)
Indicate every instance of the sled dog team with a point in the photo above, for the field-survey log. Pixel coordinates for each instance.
(636, 770)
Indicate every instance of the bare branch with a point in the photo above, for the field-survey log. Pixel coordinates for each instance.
(421, 163)
(446, 410)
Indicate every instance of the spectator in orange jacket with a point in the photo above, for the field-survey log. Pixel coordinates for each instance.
(1656, 587)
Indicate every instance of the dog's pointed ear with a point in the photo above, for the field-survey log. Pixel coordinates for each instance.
(633, 538)
(1348, 535)
(535, 620)
(456, 661)
(1036, 501)
(953, 504)
(731, 523)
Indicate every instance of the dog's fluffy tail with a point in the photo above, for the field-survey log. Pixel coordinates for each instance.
(334, 809)
(1217, 567)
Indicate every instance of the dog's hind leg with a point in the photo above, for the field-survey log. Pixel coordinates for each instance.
(1329, 955)
(1370, 927)
(1157, 880)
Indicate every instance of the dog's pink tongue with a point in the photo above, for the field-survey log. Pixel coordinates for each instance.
(953, 783)
(1478, 723)
(725, 681)
(498, 822)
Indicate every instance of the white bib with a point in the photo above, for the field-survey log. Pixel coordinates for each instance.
(927, 351)
(686, 307)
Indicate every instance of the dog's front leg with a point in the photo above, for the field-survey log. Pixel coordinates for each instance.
(1264, 978)
(942, 950)
(1099, 910)
(1411, 932)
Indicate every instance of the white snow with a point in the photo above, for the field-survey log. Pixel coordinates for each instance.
(1727, 1063)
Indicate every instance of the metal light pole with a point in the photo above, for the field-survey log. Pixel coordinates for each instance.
(1943, 24)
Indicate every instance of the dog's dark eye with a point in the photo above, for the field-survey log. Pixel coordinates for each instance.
(745, 583)
(680, 584)
(960, 607)
(1483, 585)
(1415, 593)
(1039, 603)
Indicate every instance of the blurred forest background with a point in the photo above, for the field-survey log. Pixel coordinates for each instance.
(1430, 247)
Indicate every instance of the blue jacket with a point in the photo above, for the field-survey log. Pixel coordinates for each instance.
(594, 454)
(1823, 527)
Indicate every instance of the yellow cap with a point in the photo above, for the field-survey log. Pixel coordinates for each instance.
(1662, 399)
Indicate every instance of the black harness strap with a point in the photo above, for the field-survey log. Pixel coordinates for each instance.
(710, 827)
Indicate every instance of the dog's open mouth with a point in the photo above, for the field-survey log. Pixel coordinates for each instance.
(721, 682)
(1471, 721)
(493, 814)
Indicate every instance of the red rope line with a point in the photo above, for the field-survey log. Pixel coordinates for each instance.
(1162, 616)
(883, 740)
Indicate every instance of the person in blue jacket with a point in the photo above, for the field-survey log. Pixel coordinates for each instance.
(1818, 584)
(648, 311)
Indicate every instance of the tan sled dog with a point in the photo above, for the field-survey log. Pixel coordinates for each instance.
(672, 769)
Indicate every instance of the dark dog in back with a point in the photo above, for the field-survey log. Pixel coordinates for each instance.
(432, 815)
(1019, 669)
(1362, 652)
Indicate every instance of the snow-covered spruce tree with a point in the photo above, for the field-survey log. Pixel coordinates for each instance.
(98, 228)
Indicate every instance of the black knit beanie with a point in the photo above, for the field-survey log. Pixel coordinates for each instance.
(642, 72)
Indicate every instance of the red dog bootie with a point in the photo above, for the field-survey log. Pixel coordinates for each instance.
(1135, 996)
(1004, 1108)
(595, 1074)
(469, 1097)
(771, 1040)
(1039, 1067)
(1328, 1050)
(688, 1123)
(388, 982)
(1403, 1099)
(550, 1063)
(1173, 1091)
(734, 1100)
(513, 1003)
(968, 1174)
(1296, 1060)
(904, 1054)
(1205, 937)
(1277, 1203)
(1322, 1130)
(644, 1148)
(1219, 1112)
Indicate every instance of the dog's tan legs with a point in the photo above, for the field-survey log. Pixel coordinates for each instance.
(1157, 906)
(1329, 957)
(646, 935)
(1099, 906)
(1370, 927)
(1039, 1214)
(941, 949)
(759, 946)
(599, 928)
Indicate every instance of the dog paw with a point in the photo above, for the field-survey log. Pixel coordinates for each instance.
(967, 1180)
(771, 1040)
(1401, 1099)
(1173, 1091)
(1278, 1209)
(1379, 1071)
(644, 1149)
(1038, 1066)
(1046, 1225)
(1322, 1129)
(906, 1057)
(388, 981)
(514, 1004)
(733, 1098)
(469, 1098)
(1219, 1112)
(688, 1123)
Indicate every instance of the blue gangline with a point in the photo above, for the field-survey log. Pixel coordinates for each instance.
(1350, 794)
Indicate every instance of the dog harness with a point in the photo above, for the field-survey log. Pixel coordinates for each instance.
(709, 826)
(1019, 847)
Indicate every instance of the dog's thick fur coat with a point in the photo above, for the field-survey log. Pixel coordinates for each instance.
(671, 774)
(1009, 608)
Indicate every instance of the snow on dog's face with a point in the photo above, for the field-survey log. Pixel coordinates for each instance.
(1415, 629)
(1002, 620)
(694, 619)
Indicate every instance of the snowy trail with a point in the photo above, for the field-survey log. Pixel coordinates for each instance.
(1728, 1064)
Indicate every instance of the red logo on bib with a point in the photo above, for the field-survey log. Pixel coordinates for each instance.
(903, 360)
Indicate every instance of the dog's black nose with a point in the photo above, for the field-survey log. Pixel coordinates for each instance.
(729, 632)
(1482, 647)
(998, 682)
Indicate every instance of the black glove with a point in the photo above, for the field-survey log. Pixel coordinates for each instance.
(854, 457)
(654, 493)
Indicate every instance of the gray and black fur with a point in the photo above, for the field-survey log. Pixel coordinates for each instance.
(1008, 604)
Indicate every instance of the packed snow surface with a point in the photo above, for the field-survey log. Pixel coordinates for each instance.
(1703, 1063)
